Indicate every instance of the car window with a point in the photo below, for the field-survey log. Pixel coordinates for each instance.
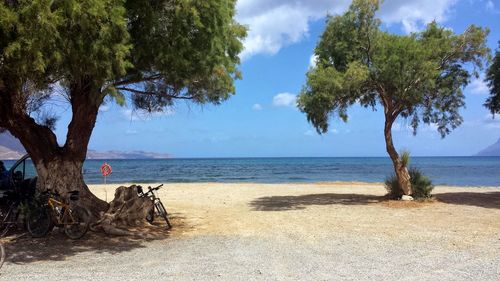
(20, 168)
(29, 171)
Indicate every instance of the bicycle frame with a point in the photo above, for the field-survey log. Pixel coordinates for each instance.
(54, 204)
(9, 221)
(157, 204)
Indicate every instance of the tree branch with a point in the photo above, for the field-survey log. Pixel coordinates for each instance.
(132, 80)
(152, 93)
(412, 83)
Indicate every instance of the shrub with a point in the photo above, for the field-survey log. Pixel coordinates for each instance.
(405, 157)
(392, 187)
(421, 185)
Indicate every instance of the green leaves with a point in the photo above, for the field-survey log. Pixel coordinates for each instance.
(166, 48)
(28, 38)
(418, 76)
(192, 45)
(493, 80)
(329, 90)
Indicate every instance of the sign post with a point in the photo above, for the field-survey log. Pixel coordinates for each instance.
(106, 171)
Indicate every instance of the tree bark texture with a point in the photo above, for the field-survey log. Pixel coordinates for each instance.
(58, 168)
(400, 170)
(126, 210)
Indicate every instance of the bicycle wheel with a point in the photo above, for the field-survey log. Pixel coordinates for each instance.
(150, 217)
(162, 212)
(6, 218)
(39, 222)
(2, 254)
(77, 222)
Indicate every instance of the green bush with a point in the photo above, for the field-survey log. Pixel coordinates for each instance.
(421, 185)
(404, 155)
(392, 187)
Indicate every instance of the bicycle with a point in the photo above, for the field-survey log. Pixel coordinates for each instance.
(56, 211)
(8, 219)
(158, 205)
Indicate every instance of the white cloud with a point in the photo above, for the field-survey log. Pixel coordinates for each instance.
(104, 108)
(313, 60)
(257, 107)
(407, 128)
(285, 99)
(274, 24)
(136, 115)
(398, 127)
(414, 14)
(309, 133)
(131, 132)
(478, 86)
(491, 121)
(490, 5)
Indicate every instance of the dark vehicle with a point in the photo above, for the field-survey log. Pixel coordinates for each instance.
(17, 185)
(20, 181)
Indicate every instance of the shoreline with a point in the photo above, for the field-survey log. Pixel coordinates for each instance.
(318, 183)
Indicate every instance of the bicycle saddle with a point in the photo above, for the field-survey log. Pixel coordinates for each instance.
(73, 195)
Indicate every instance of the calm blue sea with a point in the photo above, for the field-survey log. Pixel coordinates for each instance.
(462, 171)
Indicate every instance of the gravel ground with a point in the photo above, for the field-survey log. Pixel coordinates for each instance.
(238, 258)
(300, 233)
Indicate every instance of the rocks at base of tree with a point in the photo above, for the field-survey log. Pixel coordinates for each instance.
(406, 198)
(126, 210)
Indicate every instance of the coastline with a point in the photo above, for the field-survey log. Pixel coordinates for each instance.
(318, 183)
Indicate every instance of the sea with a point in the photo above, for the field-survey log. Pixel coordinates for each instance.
(457, 171)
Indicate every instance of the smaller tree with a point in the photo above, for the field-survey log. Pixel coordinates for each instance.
(493, 80)
(419, 77)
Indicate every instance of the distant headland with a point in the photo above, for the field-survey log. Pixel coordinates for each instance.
(492, 150)
(11, 149)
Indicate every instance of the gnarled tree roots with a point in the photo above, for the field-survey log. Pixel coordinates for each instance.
(127, 210)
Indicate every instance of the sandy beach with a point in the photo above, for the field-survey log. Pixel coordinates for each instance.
(321, 231)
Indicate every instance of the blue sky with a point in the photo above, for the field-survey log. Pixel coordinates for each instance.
(260, 120)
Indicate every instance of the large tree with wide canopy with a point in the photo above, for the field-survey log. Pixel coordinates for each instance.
(419, 76)
(153, 52)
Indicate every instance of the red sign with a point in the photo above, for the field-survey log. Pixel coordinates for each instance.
(106, 169)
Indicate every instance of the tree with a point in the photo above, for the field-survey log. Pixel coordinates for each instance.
(493, 80)
(419, 77)
(153, 52)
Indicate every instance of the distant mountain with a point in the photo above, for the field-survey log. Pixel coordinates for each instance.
(492, 150)
(12, 149)
(113, 154)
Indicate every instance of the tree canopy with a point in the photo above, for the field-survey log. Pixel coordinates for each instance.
(155, 50)
(419, 76)
(493, 80)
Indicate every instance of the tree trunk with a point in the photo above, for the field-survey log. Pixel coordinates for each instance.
(401, 171)
(64, 175)
(58, 168)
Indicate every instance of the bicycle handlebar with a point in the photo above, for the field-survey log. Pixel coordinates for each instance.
(50, 192)
(155, 188)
